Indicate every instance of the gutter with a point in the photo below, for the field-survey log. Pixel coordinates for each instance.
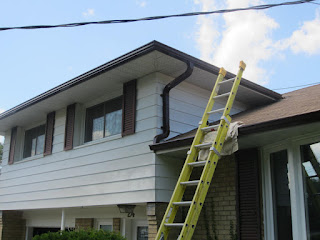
(248, 129)
(165, 102)
(152, 46)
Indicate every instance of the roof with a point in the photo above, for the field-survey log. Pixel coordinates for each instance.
(153, 56)
(296, 107)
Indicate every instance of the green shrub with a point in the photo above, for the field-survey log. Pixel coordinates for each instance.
(80, 235)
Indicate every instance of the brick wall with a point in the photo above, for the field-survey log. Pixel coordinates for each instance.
(84, 223)
(155, 212)
(217, 220)
(116, 224)
(12, 225)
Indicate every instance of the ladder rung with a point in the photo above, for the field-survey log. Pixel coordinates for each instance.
(227, 80)
(203, 145)
(190, 183)
(222, 95)
(185, 203)
(201, 186)
(197, 164)
(209, 128)
(174, 224)
(216, 111)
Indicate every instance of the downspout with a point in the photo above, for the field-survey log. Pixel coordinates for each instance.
(165, 102)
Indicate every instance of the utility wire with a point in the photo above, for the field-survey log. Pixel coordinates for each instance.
(258, 7)
(309, 84)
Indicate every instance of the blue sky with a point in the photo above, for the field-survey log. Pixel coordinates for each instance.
(281, 45)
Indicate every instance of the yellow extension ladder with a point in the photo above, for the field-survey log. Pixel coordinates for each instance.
(208, 165)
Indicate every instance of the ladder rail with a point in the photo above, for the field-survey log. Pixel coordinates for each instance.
(208, 170)
(187, 170)
(202, 189)
(234, 89)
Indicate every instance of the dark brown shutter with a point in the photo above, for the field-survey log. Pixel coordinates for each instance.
(49, 133)
(68, 135)
(248, 195)
(129, 108)
(13, 142)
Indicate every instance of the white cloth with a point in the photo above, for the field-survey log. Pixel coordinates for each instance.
(230, 145)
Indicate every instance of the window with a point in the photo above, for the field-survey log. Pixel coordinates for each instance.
(42, 230)
(104, 120)
(291, 189)
(103, 224)
(281, 195)
(34, 141)
(310, 158)
(142, 233)
(105, 227)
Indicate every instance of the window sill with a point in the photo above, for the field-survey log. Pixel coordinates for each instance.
(29, 159)
(98, 141)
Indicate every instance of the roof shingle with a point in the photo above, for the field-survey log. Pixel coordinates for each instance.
(295, 103)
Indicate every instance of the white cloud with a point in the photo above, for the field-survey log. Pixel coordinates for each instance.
(247, 37)
(244, 36)
(208, 33)
(141, 3)
(88, 13)
(306, 39)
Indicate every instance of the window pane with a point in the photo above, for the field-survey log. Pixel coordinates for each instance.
(106, 227)
(97, 128)
(40, 144)
(42, 230)
(310, 155)
(33, 146)
(113, 123)
(29, 135)
(142, 233)
(104, 119)
(40, 139)
(94, 123)
(113, 105)
(281, 195)
(34, 141)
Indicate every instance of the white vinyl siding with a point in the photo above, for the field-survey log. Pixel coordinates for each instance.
(187, 105)
(111, 170)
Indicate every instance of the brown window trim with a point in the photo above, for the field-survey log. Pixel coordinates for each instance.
(69, 127)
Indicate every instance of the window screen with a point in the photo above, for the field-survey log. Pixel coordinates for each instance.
(142, 233)
(104, 120)
(34, 141)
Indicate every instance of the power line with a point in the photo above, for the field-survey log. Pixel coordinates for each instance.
(258, 7)
(309, 84)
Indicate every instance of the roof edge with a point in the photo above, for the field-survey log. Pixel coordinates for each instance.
(147, 48)
(245, 130)
(280, 123)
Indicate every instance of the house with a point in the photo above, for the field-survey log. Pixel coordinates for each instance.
(105, 149)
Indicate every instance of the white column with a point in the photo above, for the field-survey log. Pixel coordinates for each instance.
(296, 194)
(63, 220)
(123, 227)
(267, 196)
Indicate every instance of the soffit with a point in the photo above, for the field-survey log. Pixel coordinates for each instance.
(111, 80)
